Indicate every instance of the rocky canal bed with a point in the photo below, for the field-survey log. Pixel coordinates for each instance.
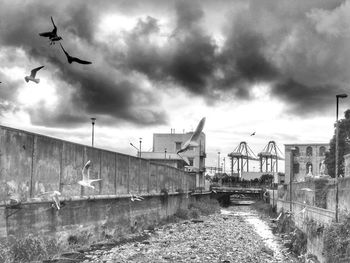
(237, 234)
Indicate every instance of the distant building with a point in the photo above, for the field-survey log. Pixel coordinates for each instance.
(165, 146)
(308, 160)
(171, 159)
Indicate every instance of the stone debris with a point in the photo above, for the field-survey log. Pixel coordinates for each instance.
(218, 238)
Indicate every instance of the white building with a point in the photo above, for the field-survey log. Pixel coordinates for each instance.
(165, 146)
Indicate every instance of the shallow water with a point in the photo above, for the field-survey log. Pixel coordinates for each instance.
(260, 226)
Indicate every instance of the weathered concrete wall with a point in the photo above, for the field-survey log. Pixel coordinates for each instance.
(98, 218)
(303, 214)
(31, 164)
(313, 202)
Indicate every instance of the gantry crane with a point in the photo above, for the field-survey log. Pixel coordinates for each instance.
(269, 156)
(240, 158)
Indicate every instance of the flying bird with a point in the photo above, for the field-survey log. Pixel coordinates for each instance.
(52, 35)
(74, 59)
(55, 197)
(252, 134)
(274, 220)
(193, 141)
(306, 189)
(32, 75)
(86, 182)
(136, 198)
(15, 199)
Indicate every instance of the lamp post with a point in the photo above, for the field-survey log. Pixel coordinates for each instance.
(93, 130)
(224, 165)
(140, 146)
(291, 176)
(164, 153)
(218, 162)
(336, 174)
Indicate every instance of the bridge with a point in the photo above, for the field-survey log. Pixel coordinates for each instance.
(236, 195)
(237, 190)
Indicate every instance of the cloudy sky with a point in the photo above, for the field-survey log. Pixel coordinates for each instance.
(273, 67)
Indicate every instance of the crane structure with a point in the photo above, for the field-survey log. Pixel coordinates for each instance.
(269, 156)
(240, 158)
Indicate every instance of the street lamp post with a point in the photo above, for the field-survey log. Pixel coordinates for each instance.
(224, 165)
(218, 162)
(336, 174)
(140, 146)
(291, 177)
(164, 153)
(93, 130)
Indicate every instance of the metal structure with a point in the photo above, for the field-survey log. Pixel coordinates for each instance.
(269, 157)
(240, 158)
(93, 131)
(212, 169)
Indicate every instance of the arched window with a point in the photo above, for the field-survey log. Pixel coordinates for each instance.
(296, 151)
(309, 168)
(322, 151)
(295, 168)
(309, 151)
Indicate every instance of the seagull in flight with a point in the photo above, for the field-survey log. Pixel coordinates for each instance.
(306, 189)
(52, 35)
(74, 59)
(55, 197)
(252, 134)
(136, 197)
(193, 141)
(274, 220)
(86, 182)
(32, 75)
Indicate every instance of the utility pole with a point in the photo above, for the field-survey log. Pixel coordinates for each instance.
(140, 146)
(93, 130)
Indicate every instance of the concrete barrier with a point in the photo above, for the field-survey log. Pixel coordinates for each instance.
(31, 164)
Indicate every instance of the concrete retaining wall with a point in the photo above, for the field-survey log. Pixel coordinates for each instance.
(314, 201)
(31, 164)
(100, 218)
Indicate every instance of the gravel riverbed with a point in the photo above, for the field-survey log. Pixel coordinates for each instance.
(237, 234)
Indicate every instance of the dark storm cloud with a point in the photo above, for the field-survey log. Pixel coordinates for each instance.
(93, 90)
(242, 60)
(188, 59)
(188, 14)
(307, 100)
(294, 47)
(81, 21)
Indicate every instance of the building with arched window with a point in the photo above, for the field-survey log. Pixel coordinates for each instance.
(303, 160)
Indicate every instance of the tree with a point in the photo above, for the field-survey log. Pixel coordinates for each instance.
(266, 179)
(343, 146)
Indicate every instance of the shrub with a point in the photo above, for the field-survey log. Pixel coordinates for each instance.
(336, 243)
(206, 207)
(27, 249)
(265, 208)
(194, 213)
(182, 213)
